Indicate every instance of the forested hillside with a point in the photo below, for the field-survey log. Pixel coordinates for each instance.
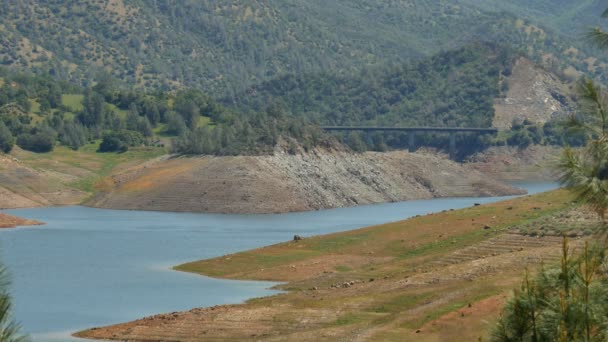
(37, 113)
(455, 88)
(223, 47)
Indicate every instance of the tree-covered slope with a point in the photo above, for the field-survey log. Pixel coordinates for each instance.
(223, 47)
(455, 88)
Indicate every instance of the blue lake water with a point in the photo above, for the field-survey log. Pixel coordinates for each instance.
(91, 267)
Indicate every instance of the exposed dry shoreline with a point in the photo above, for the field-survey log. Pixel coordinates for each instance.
(282, 182)
(8, 221)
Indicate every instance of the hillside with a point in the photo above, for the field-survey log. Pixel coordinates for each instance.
(61, 177)
(224, 48)
(282, 182)
(453, 88)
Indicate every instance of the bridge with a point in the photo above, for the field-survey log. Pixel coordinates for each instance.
(412, 130)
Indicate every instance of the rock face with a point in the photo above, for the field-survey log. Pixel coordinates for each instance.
(533, 94)
(284, 183)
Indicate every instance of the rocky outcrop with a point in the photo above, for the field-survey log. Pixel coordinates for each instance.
(282, 182)
(534, 94)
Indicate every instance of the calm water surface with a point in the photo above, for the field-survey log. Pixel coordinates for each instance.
(92, 267)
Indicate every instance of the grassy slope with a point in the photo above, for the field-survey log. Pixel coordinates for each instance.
(87, 166)
(390, 251)
(401, 242)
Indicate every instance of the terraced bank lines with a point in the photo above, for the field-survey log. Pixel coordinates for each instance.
(392, 282)
(502, 244)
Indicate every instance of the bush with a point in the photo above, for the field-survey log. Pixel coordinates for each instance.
(6, 139)
(38, 142)
(120, 141)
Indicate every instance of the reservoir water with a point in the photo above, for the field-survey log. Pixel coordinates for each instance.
(91, 267)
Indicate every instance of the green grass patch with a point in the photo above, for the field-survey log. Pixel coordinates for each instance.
(109, 161)
(73, 102)
(244, 262)
(35, 106)
(204, 121)
(120, 112)
(447, 245)
(338, 242)
(350, 318)
(342, 268)
(86, 158)
(403, 302)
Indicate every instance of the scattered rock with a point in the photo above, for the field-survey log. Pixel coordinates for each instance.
(297, 238)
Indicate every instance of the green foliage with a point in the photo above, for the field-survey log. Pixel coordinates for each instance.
(585, 172)
(73, 135)
(6, 139)
(224, 48)
(40, 140)
(454, 88)
(565, 303)
(9, 330)
(120, 141)
(258, 133)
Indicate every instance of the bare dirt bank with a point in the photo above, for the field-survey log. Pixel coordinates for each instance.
(283, 183)
(8, 221)
(534, 163)
(24, 186)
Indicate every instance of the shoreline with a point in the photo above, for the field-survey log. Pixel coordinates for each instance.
(516, 191)
(313, 273)
(9, 221)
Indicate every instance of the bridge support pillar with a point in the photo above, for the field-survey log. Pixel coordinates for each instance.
(411, 143)
(453, 146)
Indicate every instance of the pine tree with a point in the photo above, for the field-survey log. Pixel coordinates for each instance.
(585, 172)
(9, 330)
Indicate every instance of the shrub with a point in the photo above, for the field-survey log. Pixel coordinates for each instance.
(6, 139)
(37, 142)
(120, 141)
